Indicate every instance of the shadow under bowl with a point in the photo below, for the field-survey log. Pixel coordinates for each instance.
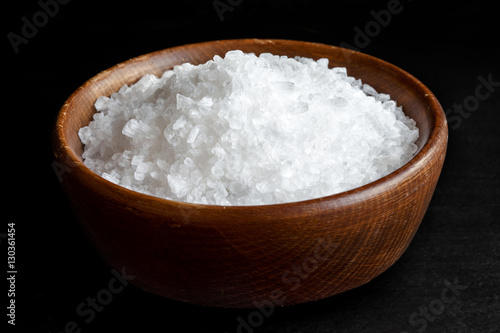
(242, 256)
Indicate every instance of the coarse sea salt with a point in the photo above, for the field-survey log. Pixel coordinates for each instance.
(247, 130)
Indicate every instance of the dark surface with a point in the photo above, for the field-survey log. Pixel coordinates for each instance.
(450, 48)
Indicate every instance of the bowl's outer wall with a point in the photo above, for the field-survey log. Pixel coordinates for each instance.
(250, 255)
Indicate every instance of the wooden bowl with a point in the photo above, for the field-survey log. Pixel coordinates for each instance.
(251, 256)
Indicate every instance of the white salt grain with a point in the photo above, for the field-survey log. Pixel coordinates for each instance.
(192, 135)
(247, 130)
(142, 168)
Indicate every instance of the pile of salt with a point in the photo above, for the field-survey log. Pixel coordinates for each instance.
(247, 130)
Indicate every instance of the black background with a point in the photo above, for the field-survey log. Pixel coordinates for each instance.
(447, 45)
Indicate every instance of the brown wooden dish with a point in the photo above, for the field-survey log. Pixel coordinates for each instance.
(243, 256)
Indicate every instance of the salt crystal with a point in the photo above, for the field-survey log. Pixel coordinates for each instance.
(192, 135)
(284, 86)
(139, 176)
(369, 90)
(217, 171)
(109, 177)
(137, 159)
(179, 123)
(142, 168)
(323, 62)
(247, 130)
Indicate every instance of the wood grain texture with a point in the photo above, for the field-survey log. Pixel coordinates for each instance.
(241, 255)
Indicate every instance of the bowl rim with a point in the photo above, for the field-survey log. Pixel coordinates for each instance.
(439, 128)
